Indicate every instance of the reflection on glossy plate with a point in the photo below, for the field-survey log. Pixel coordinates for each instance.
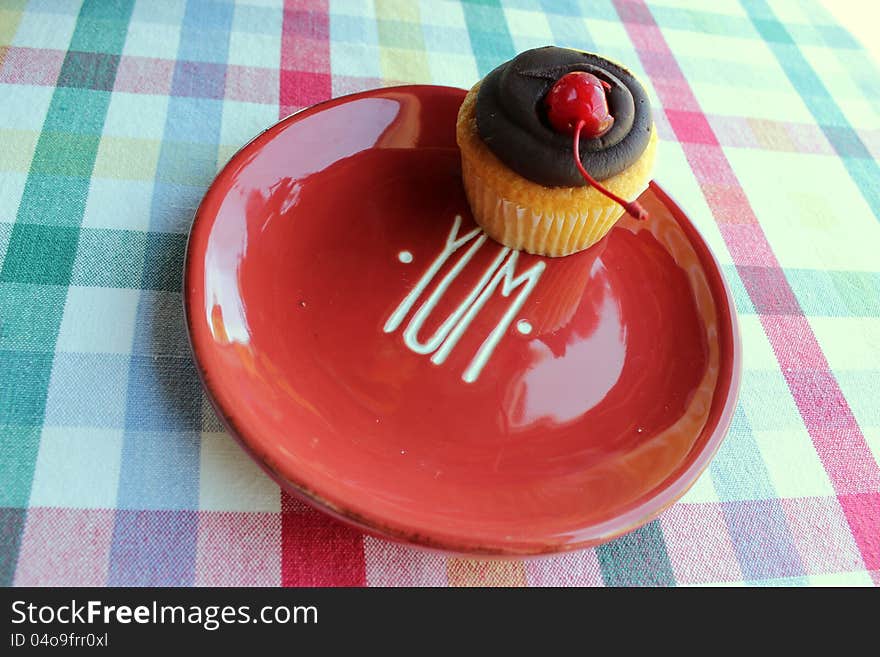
(384, 360)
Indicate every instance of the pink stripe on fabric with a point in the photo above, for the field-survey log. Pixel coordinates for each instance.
(306, 75)
(746, 243)
(863, 512)
(252, 84)
(660, 67)
(317, 550)
(644, 35)
(238, 549)
(726, 202)
(144, 75)
(65, 547)
(691, 127)
(841, 447)
(570, 569)
(815, 524)
(797, 349)
(771, 295)
(305, 36)
(36, 66)
(709, 164)
(674, 92)
(745, 131)
(392, 564)
(347, 84)
(823, 406)
(733, 131)
(699, 545)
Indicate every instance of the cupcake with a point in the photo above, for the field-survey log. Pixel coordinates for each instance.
(518, 130)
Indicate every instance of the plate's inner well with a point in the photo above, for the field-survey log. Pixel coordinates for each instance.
(370, 344)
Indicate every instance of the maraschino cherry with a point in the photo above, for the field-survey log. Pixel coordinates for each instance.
(577, 104)
(579, 96)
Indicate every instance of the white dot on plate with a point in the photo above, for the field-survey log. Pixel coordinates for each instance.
(405, 257)
(523, 327)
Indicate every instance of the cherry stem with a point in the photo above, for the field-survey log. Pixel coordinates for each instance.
(632, 207)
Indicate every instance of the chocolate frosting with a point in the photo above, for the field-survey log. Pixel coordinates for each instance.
(511, 119)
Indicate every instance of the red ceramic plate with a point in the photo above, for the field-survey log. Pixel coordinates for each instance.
(383, 359)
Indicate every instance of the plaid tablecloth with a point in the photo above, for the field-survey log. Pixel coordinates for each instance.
(116, 114)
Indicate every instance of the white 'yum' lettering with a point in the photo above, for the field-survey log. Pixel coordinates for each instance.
(502, 271)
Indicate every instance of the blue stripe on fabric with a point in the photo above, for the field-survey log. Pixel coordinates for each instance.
(153, 548)
(862, 168)
(560, 8)
(595, 10)
(569, 30)
(154, 535)
(196, 121)
(738, 470)
(857, 62)
(762, 540)
(442, 38)
(205, 33)
(761, 537)
(160, 471)
(353, 29)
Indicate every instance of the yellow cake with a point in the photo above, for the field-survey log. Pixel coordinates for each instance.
(527, 215)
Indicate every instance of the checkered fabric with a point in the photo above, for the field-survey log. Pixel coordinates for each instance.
(116, 114)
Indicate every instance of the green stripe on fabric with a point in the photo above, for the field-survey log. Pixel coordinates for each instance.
(19, 445)
(31, 315)
(706, 22)
(819, 292)
(102, 26)
(490, 36)
(41, 255)
(835, 293)
(862, 168)
(637, 559)
(693, 19)
(53, 200)
(109, 257)
(11, 528)
(42, 249)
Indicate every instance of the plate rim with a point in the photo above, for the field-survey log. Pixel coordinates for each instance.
(646, 511)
